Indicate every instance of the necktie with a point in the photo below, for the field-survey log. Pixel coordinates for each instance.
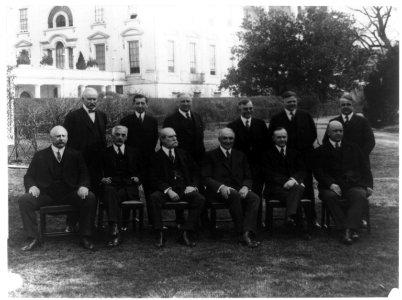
(337, 145)
(171, 157)
(58, 156)
(346, 119)
(119, 153)
(227, 154)
(283, 152)
(141, 118)
(247, 124)
(188, 115)
(292, 116)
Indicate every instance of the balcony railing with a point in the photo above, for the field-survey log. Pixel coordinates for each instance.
(197, 78)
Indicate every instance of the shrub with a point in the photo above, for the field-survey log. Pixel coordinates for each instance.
(92, 63)
(47, 60)
(81, 64)
(23, 58)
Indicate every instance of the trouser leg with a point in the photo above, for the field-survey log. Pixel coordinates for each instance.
(197, 202)
(293, 197)
(28, 205)
(356, 199)
(87, 211)
(332, 201)
(111, 200)
(252, 202)
(157, 201)
(236, 210)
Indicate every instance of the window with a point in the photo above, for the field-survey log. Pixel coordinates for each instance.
(70, 58)
(134, 57)
(24, 20)
(192, 58)
(212, 60)
(98, 14)
(60, 21)
(119, 89)
(59, 55)
(100, 56)
(171, 56)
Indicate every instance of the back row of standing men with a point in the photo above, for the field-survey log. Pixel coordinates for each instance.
(86, 130)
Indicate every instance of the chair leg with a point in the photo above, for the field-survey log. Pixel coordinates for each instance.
(270, 218)
(212, 226)
(368, 218)
(42, 226)
(307, 207)
(141, 219)
(100, 216)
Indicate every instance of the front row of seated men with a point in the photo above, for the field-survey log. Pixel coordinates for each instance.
(58, 175)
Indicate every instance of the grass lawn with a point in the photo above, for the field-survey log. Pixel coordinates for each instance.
(283, 266)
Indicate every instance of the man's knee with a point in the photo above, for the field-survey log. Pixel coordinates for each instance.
(252, 198)
(198, 199)
(26, 200)
(156, 198)
(234, 197)
(328, 195)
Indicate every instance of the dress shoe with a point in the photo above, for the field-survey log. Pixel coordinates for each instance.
(114, 229)
(32, 243)
(364, 223)
(87, 244)
(355, 235)
(316, 224)
(290, 222)
(186, 240)
(347, 237)
(160, 240)
(115, 241)
(248, 241)
(69, 229)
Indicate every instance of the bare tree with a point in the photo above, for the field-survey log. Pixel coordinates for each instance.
(374, 34)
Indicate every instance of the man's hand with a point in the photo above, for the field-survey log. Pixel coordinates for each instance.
(82, 192)
(34, 191)
(336, 189)
(225, 191)
(173, 195)
(369, 191)
(243, 192)
(135, 179)
(289, 184)
(106, 180)
(189, 189)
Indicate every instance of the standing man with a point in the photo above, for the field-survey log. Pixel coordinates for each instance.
(251, 139)
(143, 135)
(284, 171)
(356, 128)
(120, 181)
(302, 133)
(189, 128)
(227, 178)
(343, 175)
(57, 175)
(174, 176)
(86, 127)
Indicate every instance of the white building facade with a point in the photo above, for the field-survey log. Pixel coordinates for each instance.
(155, 50)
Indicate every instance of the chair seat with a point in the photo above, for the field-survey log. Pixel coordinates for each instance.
(176, 205)
(57, 209)
(132, 203)
(53, 210)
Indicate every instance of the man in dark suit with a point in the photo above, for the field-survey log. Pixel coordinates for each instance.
(86, 127)
(284, 171)
(57, 175)
(356, 128)
(302, 133)
(174, 176)
(343, 174)
(121, 177)
(143, 135)
(189, 128)
(227, 178)
(251, 139)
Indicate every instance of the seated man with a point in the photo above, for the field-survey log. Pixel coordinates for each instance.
(57, 175)
(284, 171)
(121, 177)
(174, 177)
(343, 177)
(227, 178)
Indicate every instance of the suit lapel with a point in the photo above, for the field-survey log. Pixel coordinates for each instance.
(85, 118)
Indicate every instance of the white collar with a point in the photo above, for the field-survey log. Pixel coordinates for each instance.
(55, 150)
(142, 115)
(288, 112)
(166, 150)
(184, 113)
(243, 119)
(87, 110)
(349, 116)
(225, 150)
(116, 149)
(279, 148)
(333, 143)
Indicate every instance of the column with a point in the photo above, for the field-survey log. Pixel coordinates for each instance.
(37, 91)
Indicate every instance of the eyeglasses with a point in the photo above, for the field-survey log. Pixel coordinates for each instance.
(346, 104)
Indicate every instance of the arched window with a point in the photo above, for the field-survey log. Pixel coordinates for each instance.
(59, 55)
(65, 11)
(60, 21)
(25, 95)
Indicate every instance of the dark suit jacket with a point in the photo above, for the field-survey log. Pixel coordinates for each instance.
(216, 170)
(41, 174)
(301, 134)
(346, 168)
(81, 130)
(358, 130)
(252, 142)
(143, 136)
(109, 165)
(278, 169)
(161, 172)
(191, 138)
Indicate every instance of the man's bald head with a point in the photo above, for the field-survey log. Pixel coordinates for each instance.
(184, 101)
(335, 131)
(168, 138)
(59, 136)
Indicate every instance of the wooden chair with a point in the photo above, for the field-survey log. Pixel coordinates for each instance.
(326, 217)
(44, 211)
(271, 204)
(213, 207)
